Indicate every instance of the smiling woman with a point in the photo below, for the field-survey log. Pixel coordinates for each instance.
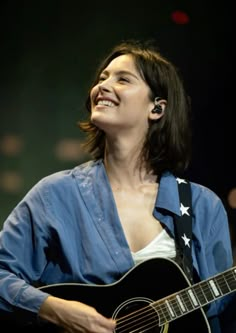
(139, 68)
(95, 223)
(122, 99)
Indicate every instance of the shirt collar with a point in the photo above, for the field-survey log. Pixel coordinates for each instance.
(168, 194)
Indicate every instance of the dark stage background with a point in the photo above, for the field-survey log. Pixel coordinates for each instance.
(49, 51)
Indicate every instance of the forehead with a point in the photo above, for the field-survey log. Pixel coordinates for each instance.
(123, 62)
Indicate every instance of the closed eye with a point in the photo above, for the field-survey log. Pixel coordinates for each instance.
(119, 79)
(101, 79)
(123, 79)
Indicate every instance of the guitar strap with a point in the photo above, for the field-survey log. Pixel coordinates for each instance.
(183, 227)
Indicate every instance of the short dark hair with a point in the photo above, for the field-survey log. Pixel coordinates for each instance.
(168, 142)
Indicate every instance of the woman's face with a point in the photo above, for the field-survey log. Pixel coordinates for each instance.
(120, 100)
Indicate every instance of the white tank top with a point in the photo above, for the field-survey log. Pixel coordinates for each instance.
(161, 246)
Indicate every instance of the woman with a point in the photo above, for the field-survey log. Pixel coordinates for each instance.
(93, 224)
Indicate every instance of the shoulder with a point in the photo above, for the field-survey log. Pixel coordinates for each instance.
(209, 210)
(199, 192)
(62, 180)
(66, 175)
(205, 202)
(205, 196)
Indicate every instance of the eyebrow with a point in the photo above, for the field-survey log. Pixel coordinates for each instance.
(122, 72)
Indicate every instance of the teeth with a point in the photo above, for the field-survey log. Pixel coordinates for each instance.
(105, 102)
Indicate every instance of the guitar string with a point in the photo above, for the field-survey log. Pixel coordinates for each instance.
(187, 295)
(146, 325)
(160, 307)
(139, 324)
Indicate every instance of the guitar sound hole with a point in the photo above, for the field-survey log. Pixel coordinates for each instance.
(137, 315)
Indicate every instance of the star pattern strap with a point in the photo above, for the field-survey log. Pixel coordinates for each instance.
(183, 226)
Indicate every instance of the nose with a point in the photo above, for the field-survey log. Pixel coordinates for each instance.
(105, 85)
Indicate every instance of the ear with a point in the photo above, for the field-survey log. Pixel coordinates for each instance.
(158, 109)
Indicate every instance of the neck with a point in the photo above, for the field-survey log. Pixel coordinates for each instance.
(125, 164)
(125, 169)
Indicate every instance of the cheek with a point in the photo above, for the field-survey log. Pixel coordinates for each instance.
(93, 93)
(138, 101)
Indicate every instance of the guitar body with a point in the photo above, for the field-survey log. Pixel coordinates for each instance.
(132, 296)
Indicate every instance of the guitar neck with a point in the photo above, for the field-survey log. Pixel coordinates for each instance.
(196, 296)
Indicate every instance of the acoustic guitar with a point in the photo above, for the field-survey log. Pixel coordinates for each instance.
(155, 296)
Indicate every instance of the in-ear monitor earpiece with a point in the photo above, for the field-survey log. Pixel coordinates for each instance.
(157, 108)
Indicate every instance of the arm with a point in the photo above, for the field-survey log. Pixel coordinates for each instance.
(213, 243)
(23, 262)
(75, 316)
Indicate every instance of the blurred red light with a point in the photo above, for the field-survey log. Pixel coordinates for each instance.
(180, 17)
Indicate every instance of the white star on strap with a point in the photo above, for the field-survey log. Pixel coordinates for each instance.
(184, 210)
(186, 240)
(180, 180)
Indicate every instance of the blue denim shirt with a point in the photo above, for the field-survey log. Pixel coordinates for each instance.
(67, 229)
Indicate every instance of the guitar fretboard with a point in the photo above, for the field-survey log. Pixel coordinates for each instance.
(196, 296)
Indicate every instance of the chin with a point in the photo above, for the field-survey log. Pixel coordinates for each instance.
(98, 122)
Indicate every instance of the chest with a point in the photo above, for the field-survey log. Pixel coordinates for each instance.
(135, 210)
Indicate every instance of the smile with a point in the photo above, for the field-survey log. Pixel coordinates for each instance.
(106, 103)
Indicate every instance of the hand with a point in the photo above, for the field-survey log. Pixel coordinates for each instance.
(75, 317)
